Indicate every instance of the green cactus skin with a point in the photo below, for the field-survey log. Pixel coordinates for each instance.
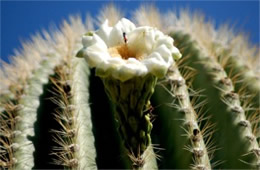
(180, 117)
(33, 109)
(236, 137)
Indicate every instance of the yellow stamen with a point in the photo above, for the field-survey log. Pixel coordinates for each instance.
(123, 52)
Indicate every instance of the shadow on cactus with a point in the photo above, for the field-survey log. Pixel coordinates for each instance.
(139, 93)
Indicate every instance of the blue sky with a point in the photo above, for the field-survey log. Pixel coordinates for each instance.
(20, 19)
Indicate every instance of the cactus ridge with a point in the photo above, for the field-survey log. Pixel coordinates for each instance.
(75, 136)
(149, 15)
(28, 116)
(17, 79)
(65, 151)
(204, 122)
(21, 116)
(235, 65)
(246, 85)
(75, 139)
(228, 97)
(190, 123)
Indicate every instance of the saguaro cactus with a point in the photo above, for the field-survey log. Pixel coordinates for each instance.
(150, 95)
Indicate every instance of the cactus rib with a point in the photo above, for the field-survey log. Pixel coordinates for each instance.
(15, 78)
(229, 100)
(85, 140)
(75, 139)
(28, 113)
(181, 102)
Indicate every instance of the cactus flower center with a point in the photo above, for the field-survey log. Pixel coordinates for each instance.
(122, 51)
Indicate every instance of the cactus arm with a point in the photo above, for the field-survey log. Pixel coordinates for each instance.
(226, 108)
(182, 110)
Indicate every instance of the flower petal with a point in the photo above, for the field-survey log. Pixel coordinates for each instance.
(116, 35)
(156, 65)
(94, 57)
(89, 40)
(141, 40)
(140, 68)
(165, 54)
(132, 68)
(168, 41)
(104, 31)
(109, 67)
(127, 25)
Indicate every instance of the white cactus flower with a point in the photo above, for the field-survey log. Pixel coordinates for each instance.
(129, 61)
(124, 51)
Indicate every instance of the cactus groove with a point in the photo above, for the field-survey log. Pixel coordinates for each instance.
(204, 114)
